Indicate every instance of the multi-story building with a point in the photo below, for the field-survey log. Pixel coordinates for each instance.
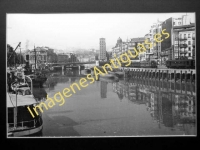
(156, 47)
(183, 42)
(122, 47)
(166, 44)
(134, 42)
(51, 56)
(67, 57)
(72, 57)
(149, 51)
(102, 46)
(40, 53)
(103, 90)
(117, 50)
(63, 57)
(177, 21)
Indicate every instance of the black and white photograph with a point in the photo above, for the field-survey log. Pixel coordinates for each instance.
(77, 75)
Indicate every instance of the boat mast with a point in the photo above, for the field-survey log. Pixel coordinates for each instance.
(35, 57)
(31, 83)
(20, 56)
(15, 113)
(14, 52)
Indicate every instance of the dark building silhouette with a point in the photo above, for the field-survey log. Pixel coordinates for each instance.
(103, 89)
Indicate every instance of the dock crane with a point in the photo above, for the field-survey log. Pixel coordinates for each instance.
(14, 51)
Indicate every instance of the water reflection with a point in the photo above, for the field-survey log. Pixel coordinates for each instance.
(168, 105)
(39, 93)
(103, 89)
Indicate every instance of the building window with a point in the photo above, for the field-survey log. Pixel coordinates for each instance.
(189, 36)
(180, 35)
(189, 42)
(189, 54)
(189, 48)
(179, 23)
(174, 23)
(184, 35)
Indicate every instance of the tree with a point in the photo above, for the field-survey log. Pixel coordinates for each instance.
(11, 56)
(20, 58)
(51, 56)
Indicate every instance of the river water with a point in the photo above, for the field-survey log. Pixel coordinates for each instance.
(128, 107)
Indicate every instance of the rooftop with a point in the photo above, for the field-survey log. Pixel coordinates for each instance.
(139, 39)
(184, 26)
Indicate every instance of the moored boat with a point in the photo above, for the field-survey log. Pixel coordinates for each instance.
(37, 79)
(19, 120)
(117, 73)
(109, 80)
(108, 76)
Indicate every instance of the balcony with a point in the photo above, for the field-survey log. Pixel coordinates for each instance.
(175, 50)
(176, 47)
(183, 45)
(193, 36)
(193, 43)
(162, 54)
(182, 38)
(176, 38)
(147, 47)
(183, 51)
(131, 45)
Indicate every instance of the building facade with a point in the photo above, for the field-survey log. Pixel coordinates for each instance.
(134, 42)
(183, 42)
(37, 56)
(118, 49)
(102, 48)
(63, 57)
(166, 44)
(122, 47)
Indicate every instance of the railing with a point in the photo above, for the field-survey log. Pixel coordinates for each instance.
(164, 54)
(183, 45)
(176, 38)
(182, 38)
(131, 45)
(183, 51)
(21, 124)
(31, 83)
(193, 36)
(193, 43)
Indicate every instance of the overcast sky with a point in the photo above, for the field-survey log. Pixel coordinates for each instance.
(81, 30)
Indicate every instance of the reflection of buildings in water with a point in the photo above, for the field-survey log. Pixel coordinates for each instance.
(154, 106)
(173, 110)
(71, 72)
(103, 89)
(51, 82)
(125, 88)
(118, 89)
(167, 114)
(185, 107)
(133, 93)
(114, 87)
(68, 73)
(176, 111)
(72, 80)
(63, 79)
